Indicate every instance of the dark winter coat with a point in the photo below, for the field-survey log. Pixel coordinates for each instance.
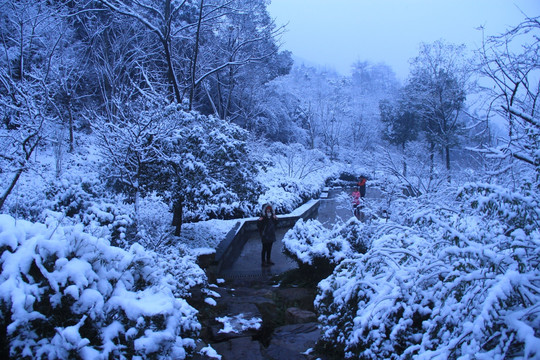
(267, 227)
(362, 186)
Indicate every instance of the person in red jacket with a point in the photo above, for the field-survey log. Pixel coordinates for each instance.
(356, 202)
(362, 186)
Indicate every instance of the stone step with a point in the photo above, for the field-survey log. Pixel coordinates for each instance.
(293, 342)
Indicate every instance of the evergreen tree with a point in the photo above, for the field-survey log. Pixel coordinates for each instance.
(436, 89)
(400, 125)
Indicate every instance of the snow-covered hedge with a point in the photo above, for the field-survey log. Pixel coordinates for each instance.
(67, 294)
(313, 246)
(291, 175)
(452, 278)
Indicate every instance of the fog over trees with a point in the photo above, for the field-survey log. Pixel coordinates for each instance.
(125, 122)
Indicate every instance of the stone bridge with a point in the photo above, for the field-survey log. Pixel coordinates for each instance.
(239, 255)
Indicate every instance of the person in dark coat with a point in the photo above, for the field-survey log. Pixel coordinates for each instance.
(267, 225)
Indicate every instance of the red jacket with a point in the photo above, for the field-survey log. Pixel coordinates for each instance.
(356, 197)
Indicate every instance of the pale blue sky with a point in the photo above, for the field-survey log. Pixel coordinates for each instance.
(336, 33)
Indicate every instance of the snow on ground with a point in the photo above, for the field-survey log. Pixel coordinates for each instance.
(239, 323)
(209, 352)
(204, 236)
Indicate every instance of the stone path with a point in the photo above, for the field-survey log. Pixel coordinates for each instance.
(248, 263)
(263, 322)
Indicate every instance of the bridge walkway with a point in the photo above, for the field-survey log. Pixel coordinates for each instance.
(332, 209)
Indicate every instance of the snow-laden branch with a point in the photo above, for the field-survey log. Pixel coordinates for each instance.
(528, 118)
(127, 11)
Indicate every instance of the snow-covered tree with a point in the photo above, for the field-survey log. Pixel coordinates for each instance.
(515, 71)
(200, 164)
(34, 36)
(370, 84)
(133, 142)
(400, 125)
(238, 54)
(437, 89)
(208, 172)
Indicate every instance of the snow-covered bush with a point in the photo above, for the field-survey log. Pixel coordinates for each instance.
(110, 221)
(71, 196)
(291, 175)
(286, 194)
(102, 217)
(320, 249)
(179, 263)
(67, 294)
(153, 223)
(454, 278)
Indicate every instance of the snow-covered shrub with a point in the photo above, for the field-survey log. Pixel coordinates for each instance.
(70, 197)
(291, 175)
(153, 222)
(67, 294)
(354, 233)
(286, 194)
(178, 262)
(362, 304)
(344, 178)
(458, 279)
(320, 249)
(110, 221)
(79, 202)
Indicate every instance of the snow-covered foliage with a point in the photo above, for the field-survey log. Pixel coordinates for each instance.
(446, 277)
(84, 202)
(154, 227)
(291, 175)
(312, 245)
(67, 294)
(210, 168)
(199, 161)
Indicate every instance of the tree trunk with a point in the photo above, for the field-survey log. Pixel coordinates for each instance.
(10, 187)
(172, 75)
(447, 150)
(71, 137)
(431, 161)
(177, 217)
(195, 55)
(404, 160)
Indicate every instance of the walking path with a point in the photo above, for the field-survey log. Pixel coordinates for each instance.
(248, 264)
